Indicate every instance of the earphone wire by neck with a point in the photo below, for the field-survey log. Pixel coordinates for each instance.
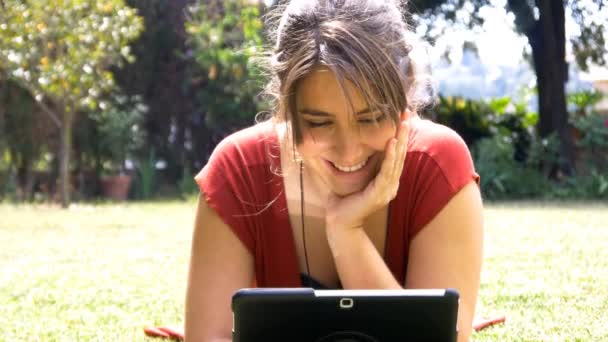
(302, 219)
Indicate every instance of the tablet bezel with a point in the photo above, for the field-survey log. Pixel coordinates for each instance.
(260, 313)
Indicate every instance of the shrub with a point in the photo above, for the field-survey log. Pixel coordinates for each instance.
(501, 175)
(471, 119)
(146, 177)
(476, 119)
(186, 185)
(590, 130)
(591, 137)
(119, 131)
(514, 162)
(593, 186)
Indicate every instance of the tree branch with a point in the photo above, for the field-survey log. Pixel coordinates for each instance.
(30, 89)
(590, 45)
(524, 16)
(50, 112)
(42, 105)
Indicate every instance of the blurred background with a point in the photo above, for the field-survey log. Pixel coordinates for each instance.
(125, 100)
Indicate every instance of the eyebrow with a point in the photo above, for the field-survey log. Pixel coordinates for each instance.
(315, 112)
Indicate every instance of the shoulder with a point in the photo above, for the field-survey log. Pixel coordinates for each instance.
(437, 166)
(246, 147)
(245, 154)
(434, 139)
(432, 145)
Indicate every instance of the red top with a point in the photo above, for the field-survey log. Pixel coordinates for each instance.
(241, 183)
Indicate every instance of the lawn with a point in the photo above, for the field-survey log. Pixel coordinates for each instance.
(103, 272)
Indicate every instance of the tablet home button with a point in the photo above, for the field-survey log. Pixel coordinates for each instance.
(346, 303)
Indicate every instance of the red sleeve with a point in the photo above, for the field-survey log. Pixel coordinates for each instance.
(228, 184)
(442, 169)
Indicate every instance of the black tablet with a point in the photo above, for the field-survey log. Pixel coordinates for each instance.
(308, 315)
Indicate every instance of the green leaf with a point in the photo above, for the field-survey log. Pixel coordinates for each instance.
(499, 105)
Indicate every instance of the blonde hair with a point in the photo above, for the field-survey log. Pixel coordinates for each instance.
(366, 42)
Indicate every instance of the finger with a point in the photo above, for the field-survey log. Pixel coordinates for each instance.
(377, 186)
(405, 134)
(392, 185)
(402, 137)
(388, 163)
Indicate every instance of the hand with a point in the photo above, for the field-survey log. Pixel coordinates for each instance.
(344, 213)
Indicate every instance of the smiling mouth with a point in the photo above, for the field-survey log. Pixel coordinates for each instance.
(352, 168)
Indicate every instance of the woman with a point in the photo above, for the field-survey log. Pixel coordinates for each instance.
(345, 186)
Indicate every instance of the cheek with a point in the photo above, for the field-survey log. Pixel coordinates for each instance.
(377, 137)
(314, 141)
(312, 144)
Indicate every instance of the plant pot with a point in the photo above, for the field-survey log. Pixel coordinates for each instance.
(116, 187)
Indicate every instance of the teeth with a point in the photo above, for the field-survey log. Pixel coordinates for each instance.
(351, 168)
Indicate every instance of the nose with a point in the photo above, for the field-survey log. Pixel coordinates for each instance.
(347, 145)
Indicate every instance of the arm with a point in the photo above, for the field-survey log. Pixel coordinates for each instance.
(358, 262)
(447, 252)
(219, 265)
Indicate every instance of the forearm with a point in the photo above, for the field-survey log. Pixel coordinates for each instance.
(204, 327)
(358, 262)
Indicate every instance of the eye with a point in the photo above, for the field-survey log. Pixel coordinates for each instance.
(314, 124)
(369, 121)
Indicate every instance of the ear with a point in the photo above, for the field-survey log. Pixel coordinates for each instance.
(406, 114)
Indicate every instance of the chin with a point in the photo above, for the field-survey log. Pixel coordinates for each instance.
(344, 187)
(343, 191)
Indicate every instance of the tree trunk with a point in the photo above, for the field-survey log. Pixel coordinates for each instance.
(25, 178)
(547, 40)
(64, 158)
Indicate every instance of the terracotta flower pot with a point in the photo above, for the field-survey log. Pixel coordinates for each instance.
(116, 187)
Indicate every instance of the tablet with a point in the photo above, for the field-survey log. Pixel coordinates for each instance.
(308, 315)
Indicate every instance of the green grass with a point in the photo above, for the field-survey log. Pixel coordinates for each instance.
(104, 272)
(546, 269)
(92, 273)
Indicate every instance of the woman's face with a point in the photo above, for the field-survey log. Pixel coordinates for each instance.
(343, 151)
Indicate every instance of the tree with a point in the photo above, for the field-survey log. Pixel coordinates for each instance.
(223, 38)
(543, 23)
(61, 51)
(160, 74)
(25, 133)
